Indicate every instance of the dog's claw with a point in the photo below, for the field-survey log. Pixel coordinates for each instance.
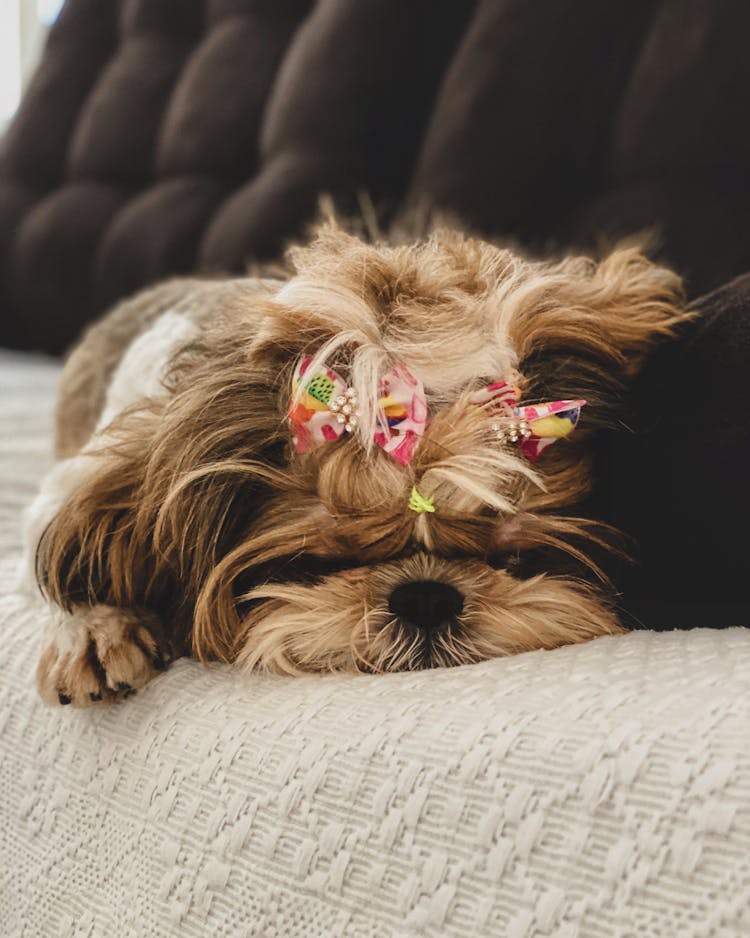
(98, 654)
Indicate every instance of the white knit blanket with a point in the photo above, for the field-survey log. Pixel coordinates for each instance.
(600, 790)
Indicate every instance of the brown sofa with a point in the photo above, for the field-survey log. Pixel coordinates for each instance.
(164, 136)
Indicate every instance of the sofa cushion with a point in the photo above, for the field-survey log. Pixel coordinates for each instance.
(216, 125)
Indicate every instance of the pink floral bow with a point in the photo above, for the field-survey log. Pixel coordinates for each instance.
(323, 408)
(533, 426)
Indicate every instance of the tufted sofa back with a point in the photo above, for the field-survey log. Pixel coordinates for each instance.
(165, 136)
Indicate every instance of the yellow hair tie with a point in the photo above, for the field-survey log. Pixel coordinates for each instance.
(420, 504)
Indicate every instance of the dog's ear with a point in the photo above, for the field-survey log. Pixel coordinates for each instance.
(582, 329)
(175, 487)
(91, 551)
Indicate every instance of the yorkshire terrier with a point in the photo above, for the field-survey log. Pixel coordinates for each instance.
(345, 469)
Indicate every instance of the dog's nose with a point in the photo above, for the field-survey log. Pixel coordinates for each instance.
(426, 604)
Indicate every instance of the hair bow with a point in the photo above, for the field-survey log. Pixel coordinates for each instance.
(324, 407)
(533, 426)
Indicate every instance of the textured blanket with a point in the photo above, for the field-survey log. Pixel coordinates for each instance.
(597, 790)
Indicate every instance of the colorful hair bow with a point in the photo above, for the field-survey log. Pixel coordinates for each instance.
(323, 408)
(533, 426)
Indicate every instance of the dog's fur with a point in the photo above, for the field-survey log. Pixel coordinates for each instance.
(180, 521)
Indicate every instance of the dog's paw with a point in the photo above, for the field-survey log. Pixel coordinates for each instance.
(98, 654)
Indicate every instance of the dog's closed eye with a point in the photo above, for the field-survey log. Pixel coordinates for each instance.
(506, 560)
(301, 568)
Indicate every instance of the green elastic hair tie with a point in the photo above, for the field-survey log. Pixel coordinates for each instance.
(420, 504)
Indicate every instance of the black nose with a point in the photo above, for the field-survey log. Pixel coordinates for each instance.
(426, 603)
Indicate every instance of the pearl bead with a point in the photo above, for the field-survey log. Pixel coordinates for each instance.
(344, 408)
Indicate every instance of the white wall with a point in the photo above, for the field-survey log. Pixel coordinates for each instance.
(23, 24)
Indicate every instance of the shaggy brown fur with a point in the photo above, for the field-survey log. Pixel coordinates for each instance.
(197, 510)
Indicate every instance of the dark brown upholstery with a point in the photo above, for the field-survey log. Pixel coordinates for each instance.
(674, 478)
(164, 136)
